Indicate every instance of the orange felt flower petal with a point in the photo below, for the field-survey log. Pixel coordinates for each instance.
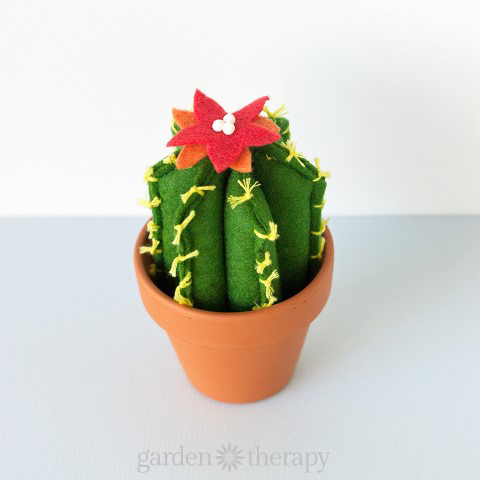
(190, 155)
(183, 118)
(244, 162)
(267, 123)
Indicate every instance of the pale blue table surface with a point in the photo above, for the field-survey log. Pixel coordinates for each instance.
(388, 382)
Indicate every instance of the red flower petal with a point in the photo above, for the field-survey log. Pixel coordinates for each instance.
(254, 136)
(221, 157)
(206, 110)
(251, 111)
(194, 135)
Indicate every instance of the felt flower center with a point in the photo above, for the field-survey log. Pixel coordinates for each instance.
(225, 125)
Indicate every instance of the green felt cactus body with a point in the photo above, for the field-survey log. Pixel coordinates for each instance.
(234, 241)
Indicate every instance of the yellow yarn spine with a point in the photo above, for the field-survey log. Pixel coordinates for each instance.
(153, 249)
(155, 202)
(323, 224)
(181, 258)
(200, 190)
(181, 227)
(265, 305)
(272, 235)
(152, 270)
(320, 250)
(279, 112)
(148, 176)
(151, 229)
(292, 152)
(268, 284)
(170, 159)
(321, 174)
(261, 266)
(184, 283)
(245, 184)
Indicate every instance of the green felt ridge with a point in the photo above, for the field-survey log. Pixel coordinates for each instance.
(204, 233)
(243, 247)
(316, 210)
(288, 190)
(284, 125)
(224, 275)
(159, 169)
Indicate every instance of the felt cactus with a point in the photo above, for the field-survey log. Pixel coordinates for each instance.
(236, 210)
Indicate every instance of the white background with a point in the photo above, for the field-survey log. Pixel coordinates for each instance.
(386, 93)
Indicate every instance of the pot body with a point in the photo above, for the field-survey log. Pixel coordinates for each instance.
(237, 356)
(240, 375)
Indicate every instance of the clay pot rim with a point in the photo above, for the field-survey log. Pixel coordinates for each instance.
(251, 316)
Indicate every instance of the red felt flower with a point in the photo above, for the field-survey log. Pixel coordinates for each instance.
(225, 148)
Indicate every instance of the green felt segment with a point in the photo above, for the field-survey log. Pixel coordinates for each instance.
(284, 125)
(243, 247)
(288, 189)
(174, 128)
(204, 233)
(280, 153)
(318, 194)
(159, 169)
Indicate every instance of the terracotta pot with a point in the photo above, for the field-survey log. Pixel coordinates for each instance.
(237, 356)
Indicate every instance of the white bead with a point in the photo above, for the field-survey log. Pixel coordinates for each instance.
(228, 128)
(229, 118)
(217, 125)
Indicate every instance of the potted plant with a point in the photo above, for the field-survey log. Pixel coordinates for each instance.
(236, 261)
